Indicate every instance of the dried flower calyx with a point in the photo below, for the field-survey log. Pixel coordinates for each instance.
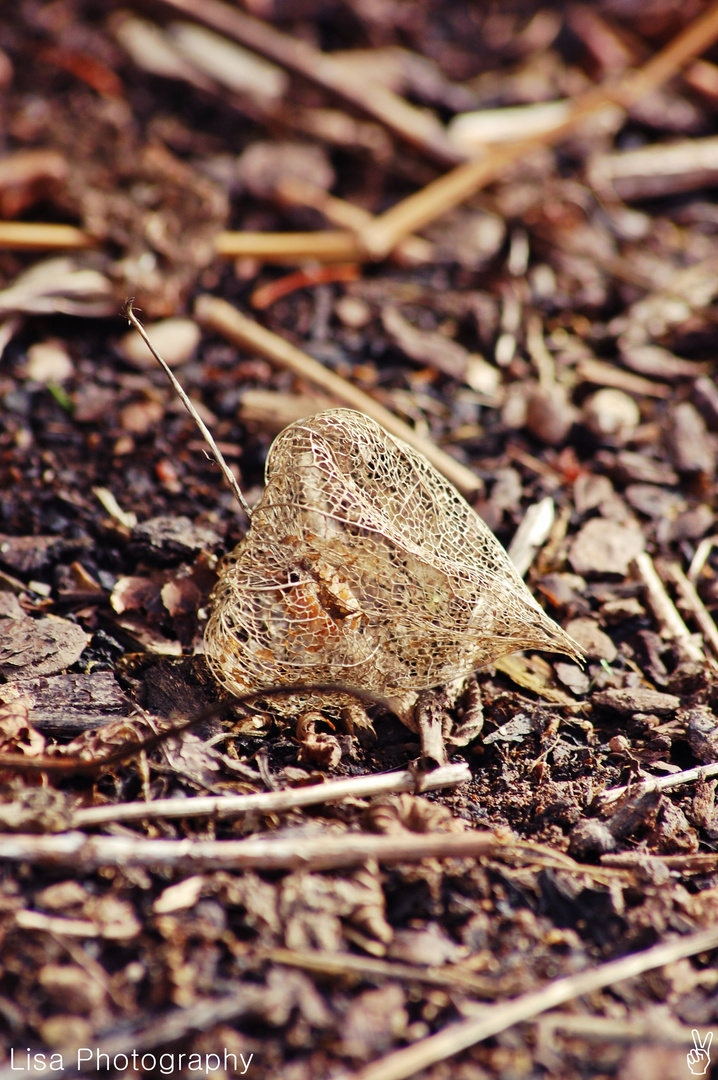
(364, 567)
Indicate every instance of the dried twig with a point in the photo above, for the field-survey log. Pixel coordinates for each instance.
(353, 966)
(218, 315)
(691, 602)
(89, 853)
(228, 806)
(452, 1040)
(659, 783)
(415, 126)
(652, 1027)
(670, 622)
(458, 185)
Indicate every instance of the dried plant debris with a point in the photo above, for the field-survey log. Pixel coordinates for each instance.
(364, 567)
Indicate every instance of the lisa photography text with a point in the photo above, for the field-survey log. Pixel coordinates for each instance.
(89, 1058)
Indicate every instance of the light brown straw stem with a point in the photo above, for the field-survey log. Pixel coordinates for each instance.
(330, 246)
(223, 318)
(38, 236)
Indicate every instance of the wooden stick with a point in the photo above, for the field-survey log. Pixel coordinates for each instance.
(658, 783)
(457, 1037)
(229, 806)
(458, 185)
(325, 852)
(37, 236)
(670, 622)
(218, 315)
(692, 602)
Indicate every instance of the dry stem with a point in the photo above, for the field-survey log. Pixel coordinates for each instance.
(227, 806)
(670, 622)
(179, 390)
(89, 853)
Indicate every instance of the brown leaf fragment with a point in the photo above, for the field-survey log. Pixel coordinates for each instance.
(319, 747)
(602, 547)
(62, 896)
(36, 810)
(40, 646)
(705, 399)
(659, 363)
(572, 677)
(637, 700)
(430, 946)
(594, 643)
(264, 165)
(28, 176)
(181, 596)
(426, 346)
(628, 466)
(137, 594)
(703, 808)
(167, 539)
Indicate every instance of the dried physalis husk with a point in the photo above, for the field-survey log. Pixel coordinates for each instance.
(364, 567)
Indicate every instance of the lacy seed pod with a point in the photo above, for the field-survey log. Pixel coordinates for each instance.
(364, 567)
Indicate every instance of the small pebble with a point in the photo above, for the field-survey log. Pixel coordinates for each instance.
(174, 339)
(48, 362)
(140, 417)
(352, 311)
(611, 414)
(549, 416)
(619, 744)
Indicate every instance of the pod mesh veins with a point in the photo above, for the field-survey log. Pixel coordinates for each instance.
(364, 567)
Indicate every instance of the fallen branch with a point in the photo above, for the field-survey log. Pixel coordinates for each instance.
(223, 318)
(229, 806)
(457, 1037)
